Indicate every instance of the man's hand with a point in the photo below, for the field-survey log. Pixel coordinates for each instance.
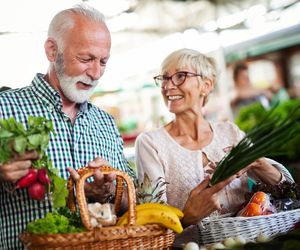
(102, 188)
(13, 171)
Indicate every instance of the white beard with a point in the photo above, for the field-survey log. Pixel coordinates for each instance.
(69, 88)
(68, 83)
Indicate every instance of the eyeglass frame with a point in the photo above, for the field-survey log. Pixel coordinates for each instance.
(168, 78)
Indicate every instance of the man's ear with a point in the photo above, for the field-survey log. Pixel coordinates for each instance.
(51, 49)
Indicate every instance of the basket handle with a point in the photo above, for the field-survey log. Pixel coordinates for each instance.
(121, 177)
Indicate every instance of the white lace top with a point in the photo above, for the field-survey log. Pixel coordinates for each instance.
(159, 155)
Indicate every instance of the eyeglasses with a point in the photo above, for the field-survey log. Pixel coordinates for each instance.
(177, 78)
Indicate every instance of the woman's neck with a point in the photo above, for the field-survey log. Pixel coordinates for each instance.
(190, 131)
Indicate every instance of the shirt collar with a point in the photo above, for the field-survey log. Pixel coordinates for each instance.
(50, 96)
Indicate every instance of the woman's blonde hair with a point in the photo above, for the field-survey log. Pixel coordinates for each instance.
(202, 64)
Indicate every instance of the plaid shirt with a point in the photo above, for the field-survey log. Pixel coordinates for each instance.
(93, 134)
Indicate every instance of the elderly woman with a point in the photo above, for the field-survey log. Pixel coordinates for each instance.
(185, 151)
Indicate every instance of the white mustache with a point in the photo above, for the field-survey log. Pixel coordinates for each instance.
(86, 80)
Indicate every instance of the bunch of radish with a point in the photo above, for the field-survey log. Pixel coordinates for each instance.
(42, 177)
(36, 181)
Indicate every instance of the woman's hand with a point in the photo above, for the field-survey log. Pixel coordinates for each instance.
(264, 171)
(102, 188)
(202, 201)
(19, 167)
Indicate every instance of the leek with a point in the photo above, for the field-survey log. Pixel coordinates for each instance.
(263, 140)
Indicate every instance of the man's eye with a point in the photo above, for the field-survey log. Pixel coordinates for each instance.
(84, 60)
(103, 62)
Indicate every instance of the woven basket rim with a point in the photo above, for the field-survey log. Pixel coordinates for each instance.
(243, 218)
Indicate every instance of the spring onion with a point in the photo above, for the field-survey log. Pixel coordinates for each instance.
(264, 140)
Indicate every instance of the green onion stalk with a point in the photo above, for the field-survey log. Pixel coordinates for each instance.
(264, 140)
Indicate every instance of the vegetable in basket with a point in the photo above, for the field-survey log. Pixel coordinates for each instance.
(263, 140)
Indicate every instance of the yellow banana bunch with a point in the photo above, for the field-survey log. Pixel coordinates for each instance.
(156, 213)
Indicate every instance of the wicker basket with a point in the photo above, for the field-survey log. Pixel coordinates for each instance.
(129, 236)
(217, 230)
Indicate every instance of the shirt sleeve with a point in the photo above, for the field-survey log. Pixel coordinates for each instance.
(148, 162)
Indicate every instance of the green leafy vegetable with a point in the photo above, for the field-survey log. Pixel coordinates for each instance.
(265, 139)
(53, 223)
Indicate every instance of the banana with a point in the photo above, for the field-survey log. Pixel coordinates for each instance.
(176, 210)
(155, 214)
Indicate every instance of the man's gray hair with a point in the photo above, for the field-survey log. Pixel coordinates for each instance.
(64, 20)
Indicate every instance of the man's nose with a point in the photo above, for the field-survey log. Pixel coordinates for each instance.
(95, 71)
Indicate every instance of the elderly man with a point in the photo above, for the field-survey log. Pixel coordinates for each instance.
(77, 48)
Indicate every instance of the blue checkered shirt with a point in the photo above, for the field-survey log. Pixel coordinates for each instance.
(94, 134)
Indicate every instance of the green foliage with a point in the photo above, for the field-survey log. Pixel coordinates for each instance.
(250, 116)
(74, 217)
(53, 223)
(14, 138)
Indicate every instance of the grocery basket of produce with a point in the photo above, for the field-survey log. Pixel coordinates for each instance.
(247, 228)
(265, 139)
(136, 229)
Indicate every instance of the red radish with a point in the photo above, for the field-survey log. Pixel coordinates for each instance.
(28, 179)
(43, 176)
(37, 191)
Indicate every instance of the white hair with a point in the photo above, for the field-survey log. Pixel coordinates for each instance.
(64, 21)
(202, 64)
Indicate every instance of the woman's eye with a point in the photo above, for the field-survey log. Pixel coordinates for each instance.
(180, 75)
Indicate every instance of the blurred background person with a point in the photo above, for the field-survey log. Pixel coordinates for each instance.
(244, 92)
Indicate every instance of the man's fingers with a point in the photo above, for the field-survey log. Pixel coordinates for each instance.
(18, 165)
(74, 174)
(110, 177)
(99, 178)
(97, 162)
(30, 155)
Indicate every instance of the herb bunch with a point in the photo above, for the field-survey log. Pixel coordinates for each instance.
(265, 139)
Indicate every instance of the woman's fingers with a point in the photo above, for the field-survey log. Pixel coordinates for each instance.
(203, 185)
(219, 186)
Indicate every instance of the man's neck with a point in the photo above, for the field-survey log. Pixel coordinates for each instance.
(70, 110)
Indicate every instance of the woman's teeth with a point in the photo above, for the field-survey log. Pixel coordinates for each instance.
(174, 97)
